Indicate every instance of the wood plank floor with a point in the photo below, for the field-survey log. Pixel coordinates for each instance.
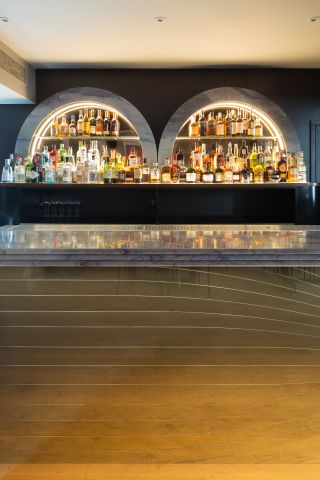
(159, 373)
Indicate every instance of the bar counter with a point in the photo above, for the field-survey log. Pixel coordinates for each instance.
(164, 245)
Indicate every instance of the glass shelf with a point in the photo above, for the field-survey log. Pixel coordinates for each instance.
(225, 137)
(89, 137)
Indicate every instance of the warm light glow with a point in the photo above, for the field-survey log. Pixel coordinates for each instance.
(266, 121)
(48, 121)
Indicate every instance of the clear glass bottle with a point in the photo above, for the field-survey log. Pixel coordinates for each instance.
(155, 173)
(137, 173)
(19, 172)
(132, 158)
(115, 168)
(69, 168)
(258, 130)
(50, 172)
(236, 168)
(145, 171)
(115, 125)
(211, 125)
(80, 123)
(7, 173)
(228, 172)
(62, 153)
(302, 169)
(107, 171)
(93, 171)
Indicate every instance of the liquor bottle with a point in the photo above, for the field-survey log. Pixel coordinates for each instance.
(202, 124)
(208, 175)
(211, 125)
(80, 123)
(80, 169)
(155, 173)
(86, 123)
(219, 160)
(175, 170)
(205, 158)
(19, 172)
(62, 153)
(228, 126)
(104, 154)
(92, 123)
(239, 124)
(50, 172)
(244, 150)
(191, 176)
(72, 126)
(107, 171)
(36, 170)
(258, 130)
(137, 174)
(55, 127)
(122, 171)
(64, 127)
(275, 155)
(233, 123)
(251, 125)
(229, 155)
(258, 171)
(181, 165)
(282, 167)
(302, 169)
(194, 127)
(292, 168)
(253, 158)
(166, 171)
(7, 172)
(268, 170)
(220, 126)
(93, 171)
(145, 171)
(237, 165)
(228, 172)
(106, 124)
(99, 124)
(71, 163)
(218, 174)
(115, 166)
(67, 168)
(132, 158)
(244, 123)
(115, 125)
(246, 174)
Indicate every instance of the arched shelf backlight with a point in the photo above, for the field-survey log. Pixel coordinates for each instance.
(276, 124)
(134, 129)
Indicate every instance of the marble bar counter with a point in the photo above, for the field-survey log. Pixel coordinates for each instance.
(164, 245)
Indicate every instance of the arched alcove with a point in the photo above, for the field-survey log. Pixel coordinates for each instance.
(36, 126)
(276, 122)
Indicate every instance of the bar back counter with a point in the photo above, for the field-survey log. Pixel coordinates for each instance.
(160, 324)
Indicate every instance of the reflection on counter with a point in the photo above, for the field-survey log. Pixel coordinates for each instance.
(158, 237)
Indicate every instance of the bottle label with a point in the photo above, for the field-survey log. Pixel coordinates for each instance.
(122, 176)
(191, 177)
(107, 173)
(245, 178)
(67, 175)
(145, 170)
(64, 129)
(73, 130)
(236, 177)
(115, 174)
(218, 177)
(207, 178)
(55, 131)
(92, 130)
(166, 177)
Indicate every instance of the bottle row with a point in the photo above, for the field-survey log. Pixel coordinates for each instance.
(87, 125)
(228, 124)
(90, 165)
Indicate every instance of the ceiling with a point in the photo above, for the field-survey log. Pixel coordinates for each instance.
(123, 33)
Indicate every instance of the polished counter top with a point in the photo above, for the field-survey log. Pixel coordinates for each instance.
(256, 245)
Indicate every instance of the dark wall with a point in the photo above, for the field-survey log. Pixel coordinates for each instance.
(158, 93)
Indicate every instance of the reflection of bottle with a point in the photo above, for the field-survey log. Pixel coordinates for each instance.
(7, 173)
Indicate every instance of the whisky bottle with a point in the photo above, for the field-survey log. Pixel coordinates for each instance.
(202, 124)
(72, 126)
(92, 124)
(93, 171)
(99, 124)
(220, 126)
(228, 173)
(258, 130)
(132, 158)
(175, 170)
(218, 174)
(145, 171)
(86, 123)
(62, 153)
(191, 176)
(137, 174)
(229, 155)
(80, 123)
(211, 125)
(115, 125)
(244, 123)
(155, 173)
(55, 127)
(228, 127)
(115, 168)
(237, 165)
(208, 175)
(64, 127)
(194, 127)
(122, 170)
(282, 167)
(251, 125)
(166, 171)
(106, 124)
(292, 168)
(239, 124)
(302, 169)
(233, 123)
(80, 171)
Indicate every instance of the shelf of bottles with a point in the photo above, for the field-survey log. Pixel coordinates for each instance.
(232, 142)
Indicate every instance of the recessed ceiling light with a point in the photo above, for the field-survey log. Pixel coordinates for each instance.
(160, 19)
(4, 19)
(314, 19)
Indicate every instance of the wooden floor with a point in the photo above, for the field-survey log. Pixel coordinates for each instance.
(169, 373)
